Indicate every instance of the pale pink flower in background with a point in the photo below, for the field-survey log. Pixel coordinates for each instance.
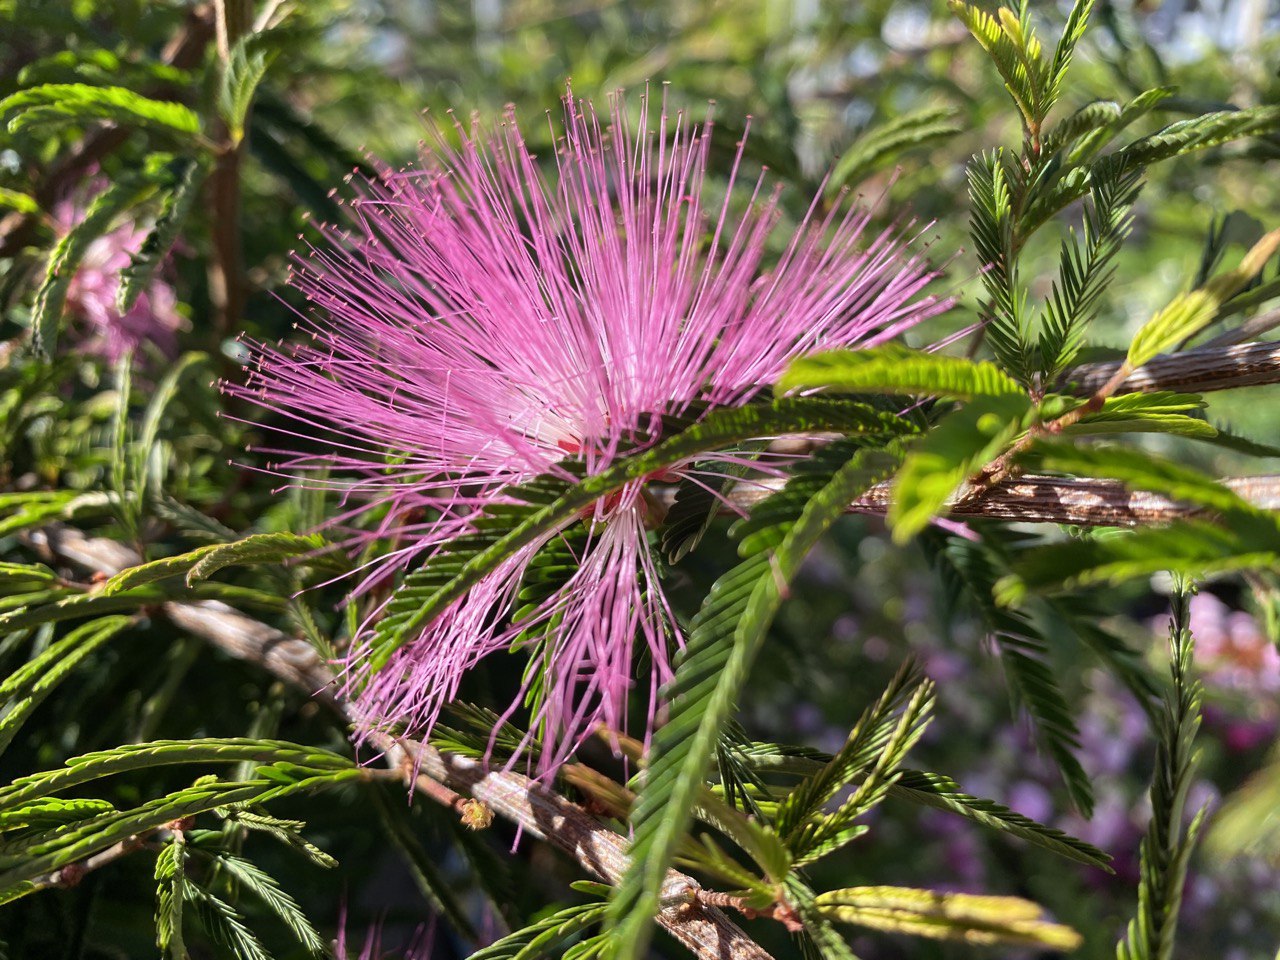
(91, 295)
(1232, 648)
(487, 319)
(1241, 669)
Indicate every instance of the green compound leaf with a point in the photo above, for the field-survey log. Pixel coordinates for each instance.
(877, 147)
(203, 562)
(183, 177)
(1166, 849)
(943, 793)
(27, 687)
(971, 918)
(58, 103)
(65, 258)
(1188, 313)
(897, 369)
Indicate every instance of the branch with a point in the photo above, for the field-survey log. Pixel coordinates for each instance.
(1213, 367)
(71, 875)
(704, 929)
(1255, 326)
(1085, 502)
(1034, 499)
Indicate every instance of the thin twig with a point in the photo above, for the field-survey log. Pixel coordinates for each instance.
(71, 875)
(1254, 327)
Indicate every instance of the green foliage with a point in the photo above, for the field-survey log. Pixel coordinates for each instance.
(972, 571)
(1016, 53)
(1161, 411)
(184, 177)
(248, 64)
(545, 935)
(957, 446)
(1125, 116)
(992, 227)
(24, 689)
(226, 925)
(101, 464)
(171, 895)
(1246, 823)
(986, 920)
(1193, 548)
(1166, 849)
(277, 754)
(1086, 267)
(70, 250)
(895, 369)
(252, 879)
(140, 476)
(943, 793)
(875, 749)
(1177, 139)
(16, 200)
(928, 789)
(59, 103)
(203, 562)
(98, 66)
(875, 148)
(1188, 313)
(287, 832)
(1198, 133)
(697, 503)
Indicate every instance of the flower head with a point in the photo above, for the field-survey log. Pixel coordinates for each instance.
(92, 294)
(488, 319)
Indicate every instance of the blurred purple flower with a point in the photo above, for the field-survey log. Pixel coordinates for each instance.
(961, 849)
(91, 295)
(1232, 649)
(486, 321)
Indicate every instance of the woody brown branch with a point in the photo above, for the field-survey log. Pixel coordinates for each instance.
(1217, 366)
(1202, 370)
(1037, 499)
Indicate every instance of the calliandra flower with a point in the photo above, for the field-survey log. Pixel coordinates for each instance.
(91, 295)
(487, 319)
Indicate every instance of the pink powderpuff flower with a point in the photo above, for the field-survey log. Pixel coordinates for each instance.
(486, 320)
(91, 295)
